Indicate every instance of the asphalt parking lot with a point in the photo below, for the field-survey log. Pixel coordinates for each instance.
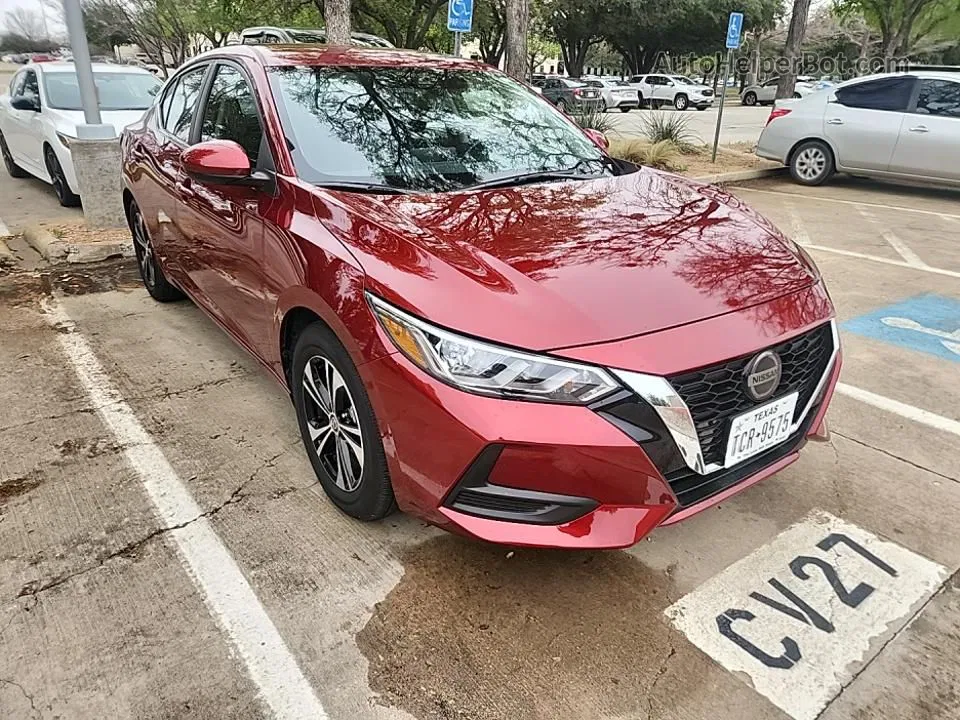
(741, 124)
(166, 553)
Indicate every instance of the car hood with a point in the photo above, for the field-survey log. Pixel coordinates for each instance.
(67, 120)
(563, 264)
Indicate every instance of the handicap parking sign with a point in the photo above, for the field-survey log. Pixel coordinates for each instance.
(926, 323)
(734, 30)
(460, 16)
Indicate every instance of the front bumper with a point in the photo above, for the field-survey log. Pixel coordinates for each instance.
(535, 474)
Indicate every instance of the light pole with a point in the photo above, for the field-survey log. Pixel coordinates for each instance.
(93, 128)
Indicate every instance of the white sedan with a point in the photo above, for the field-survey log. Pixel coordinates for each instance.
(41, 110)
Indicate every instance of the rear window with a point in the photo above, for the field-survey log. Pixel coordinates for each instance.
(594, 83)
(891, 94)
(939, 97)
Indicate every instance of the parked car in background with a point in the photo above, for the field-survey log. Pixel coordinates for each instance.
(625, 350)
(677, 90)
(282, 36)
(570, 95)
(615, 94)
(898, 125)
(765, 93)
(41, 109)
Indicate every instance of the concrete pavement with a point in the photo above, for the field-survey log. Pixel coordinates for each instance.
(104, 613)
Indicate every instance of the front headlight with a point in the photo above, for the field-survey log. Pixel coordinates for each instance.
(64, 139)
(487, 369)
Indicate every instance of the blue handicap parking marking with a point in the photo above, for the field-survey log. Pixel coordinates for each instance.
(926, 323)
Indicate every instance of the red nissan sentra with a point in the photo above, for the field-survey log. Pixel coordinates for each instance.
(480, 316)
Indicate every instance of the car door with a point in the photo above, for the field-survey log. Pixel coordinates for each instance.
(551, 89)
(658, 88)
(862, 121)
(223, 224)
(929, 142)
(25, 138)
(171, 135)
(768, 91)
(7, 125)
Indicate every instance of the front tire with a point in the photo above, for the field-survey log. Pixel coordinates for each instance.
(338, 427)
(625, 109)
(14, 170)
(66, 196)
(812, 163)
(680, 103)
(154, 280)
(750, 99)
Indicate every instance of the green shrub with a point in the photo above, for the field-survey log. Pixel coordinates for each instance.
(673, 126)
(662, 155)
(593, 117)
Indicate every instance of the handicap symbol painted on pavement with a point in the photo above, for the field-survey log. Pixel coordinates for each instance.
(926, 323)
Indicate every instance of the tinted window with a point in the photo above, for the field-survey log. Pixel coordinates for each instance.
(939, 97)
(183, 101)
(891, 93)
(30, 84)
(231, 112)
(16, 85)
(428, 129)
(116, 91)
(594, 83)
(572, 83)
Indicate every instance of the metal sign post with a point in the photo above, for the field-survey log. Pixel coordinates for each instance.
(459, 21)
(734, 34)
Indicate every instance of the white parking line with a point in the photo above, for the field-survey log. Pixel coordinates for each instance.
(909, 256)
(924, 417)
(226, 592)
(797, 228)
(857, 203)
(885, 261)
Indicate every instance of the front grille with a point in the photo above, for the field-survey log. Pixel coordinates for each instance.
(707, 93)
(477, 501)
(716, 394)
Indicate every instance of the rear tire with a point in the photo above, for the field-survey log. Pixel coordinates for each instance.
(154, 280)
(750, 99)
(625, 109)
(348, 459)
(14, 170)
(812, 163)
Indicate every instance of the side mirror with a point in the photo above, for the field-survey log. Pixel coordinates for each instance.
(25, 102)
(597, 138)
(220, 162)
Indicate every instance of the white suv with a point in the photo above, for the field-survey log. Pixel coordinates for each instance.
(677, 90)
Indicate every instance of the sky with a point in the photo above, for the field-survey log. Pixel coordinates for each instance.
(54, 21)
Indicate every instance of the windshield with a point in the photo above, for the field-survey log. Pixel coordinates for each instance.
(115, 91)
(422, 129)
(305, 36)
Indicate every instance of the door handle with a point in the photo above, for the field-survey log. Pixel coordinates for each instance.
(920, 129)
(834, 121)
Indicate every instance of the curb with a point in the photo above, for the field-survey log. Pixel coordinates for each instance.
(54, 250)
(6, 256)
(740, 176)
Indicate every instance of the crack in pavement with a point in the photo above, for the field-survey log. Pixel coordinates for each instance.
(35, 587)
(34, 710)
(895, 457)
(660, 673)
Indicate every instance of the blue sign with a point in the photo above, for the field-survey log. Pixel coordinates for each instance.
(460, 16)
(926, 323)
(734, 30)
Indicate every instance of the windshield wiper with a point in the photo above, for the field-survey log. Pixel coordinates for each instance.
(363, 187)
(531, 177)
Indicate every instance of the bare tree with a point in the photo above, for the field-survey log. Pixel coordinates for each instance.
(25, 23)
(515, 40)
(795, 35)
(336, 15)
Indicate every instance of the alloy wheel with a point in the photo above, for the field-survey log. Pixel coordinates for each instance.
(811, 163)
(680, 102)
(332, 423)
(144, 251)
(56, 175)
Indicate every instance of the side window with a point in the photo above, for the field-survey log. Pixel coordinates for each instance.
(891, 94)
(182, 101)
(271, 39)
(772, 82)
(939, 97)
(552, 83)
(30, 84)
(231, 112)
(16, 85)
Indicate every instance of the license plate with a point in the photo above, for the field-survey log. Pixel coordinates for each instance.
(589, 94)
(760, 429)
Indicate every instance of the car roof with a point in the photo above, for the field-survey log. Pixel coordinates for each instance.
(63, 66)
(311, 54)
(923, 74)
